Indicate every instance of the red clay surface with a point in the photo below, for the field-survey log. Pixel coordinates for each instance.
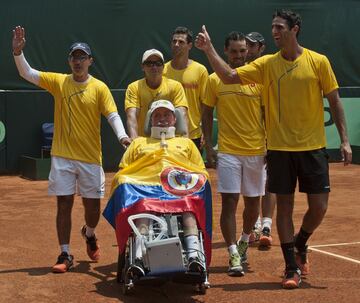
(28, 249)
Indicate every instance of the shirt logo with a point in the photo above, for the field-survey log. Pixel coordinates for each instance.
(180, 182)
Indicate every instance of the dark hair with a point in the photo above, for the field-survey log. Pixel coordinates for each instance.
(185, 31)
(291, 18)
(234, 36)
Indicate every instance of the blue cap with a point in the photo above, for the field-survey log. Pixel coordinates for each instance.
(82, 46)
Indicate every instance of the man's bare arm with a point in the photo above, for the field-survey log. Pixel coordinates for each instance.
(338, 115)
(207, 128)
(131, 121)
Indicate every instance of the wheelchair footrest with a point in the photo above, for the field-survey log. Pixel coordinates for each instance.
(165, 255)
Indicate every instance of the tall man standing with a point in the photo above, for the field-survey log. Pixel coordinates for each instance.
(154, 86)
(241, 149)
(76, 158)
(295, 80)
(193, 77)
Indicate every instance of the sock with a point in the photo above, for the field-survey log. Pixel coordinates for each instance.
(65, 248)
(138, 248)
(232, 249)
(289, 255)
(192, 246)
(266, 222)
(90, 232)
(301, 239)
(258, 223)
(245, 237)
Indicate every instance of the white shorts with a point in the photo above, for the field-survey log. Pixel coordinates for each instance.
(68, 177)
(241, 174)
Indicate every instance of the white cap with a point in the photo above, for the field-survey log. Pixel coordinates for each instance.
(151, 52)
(161, 103)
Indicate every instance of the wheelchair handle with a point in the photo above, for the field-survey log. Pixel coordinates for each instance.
(161, 221)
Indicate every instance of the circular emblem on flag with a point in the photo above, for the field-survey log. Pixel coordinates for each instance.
(180, 182)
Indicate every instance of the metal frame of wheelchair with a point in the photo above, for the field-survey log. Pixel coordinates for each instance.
(164, 256)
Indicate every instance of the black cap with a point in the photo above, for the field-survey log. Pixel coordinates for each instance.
(82, 46)
(255, 37)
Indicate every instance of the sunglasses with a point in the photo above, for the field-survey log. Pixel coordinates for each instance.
(79, 58)
(153, 63)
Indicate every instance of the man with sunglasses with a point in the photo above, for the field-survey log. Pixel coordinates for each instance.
(192, 75)
(154, 86)
(79, 102)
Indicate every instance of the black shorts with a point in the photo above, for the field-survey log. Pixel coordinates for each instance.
(310, 168)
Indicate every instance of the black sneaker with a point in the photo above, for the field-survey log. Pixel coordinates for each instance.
(64, 263)
(292, 279)
(195, 265)
(92, 247)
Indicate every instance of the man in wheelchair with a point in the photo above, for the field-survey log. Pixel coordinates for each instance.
(163, 173)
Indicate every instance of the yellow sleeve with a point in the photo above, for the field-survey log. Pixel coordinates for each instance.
(211, 92)
(327, 77)
(252, 72)
(107, 103)
(179, 97)
(50, 81)
(203, 83)
(131, 96)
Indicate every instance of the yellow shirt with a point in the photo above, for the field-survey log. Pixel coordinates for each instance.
(77, 115)
(193, 79)
(293, 96)
(140, 95)
(180, 148)
(240, 122)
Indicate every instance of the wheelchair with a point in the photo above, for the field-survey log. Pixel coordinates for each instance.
(164, 255)
(163, 249)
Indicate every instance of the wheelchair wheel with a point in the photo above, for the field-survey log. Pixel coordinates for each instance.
(120, 267)
(201, 288)
(128, 285)
(127, 288)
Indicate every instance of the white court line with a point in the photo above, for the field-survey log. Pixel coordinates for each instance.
(335, 255)
(337, 244)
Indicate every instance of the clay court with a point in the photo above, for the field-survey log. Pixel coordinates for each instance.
(28, 249)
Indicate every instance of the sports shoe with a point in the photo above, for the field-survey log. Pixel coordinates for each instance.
(64, 263)
(265, 237)
(292, 279)
(242, 247)
(302, 260)
(254, 236)
(195, 265)
(235, 268)
(136, 270)
(92, 248)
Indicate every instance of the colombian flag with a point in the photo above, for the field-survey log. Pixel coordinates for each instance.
(160, 183)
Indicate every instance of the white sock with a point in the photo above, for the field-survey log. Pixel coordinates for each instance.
(266, 222)
(258, 223)
(232, 249)
(192, 246)
(65, 248)
(245, 237)
(138, 248)
(90, 232)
